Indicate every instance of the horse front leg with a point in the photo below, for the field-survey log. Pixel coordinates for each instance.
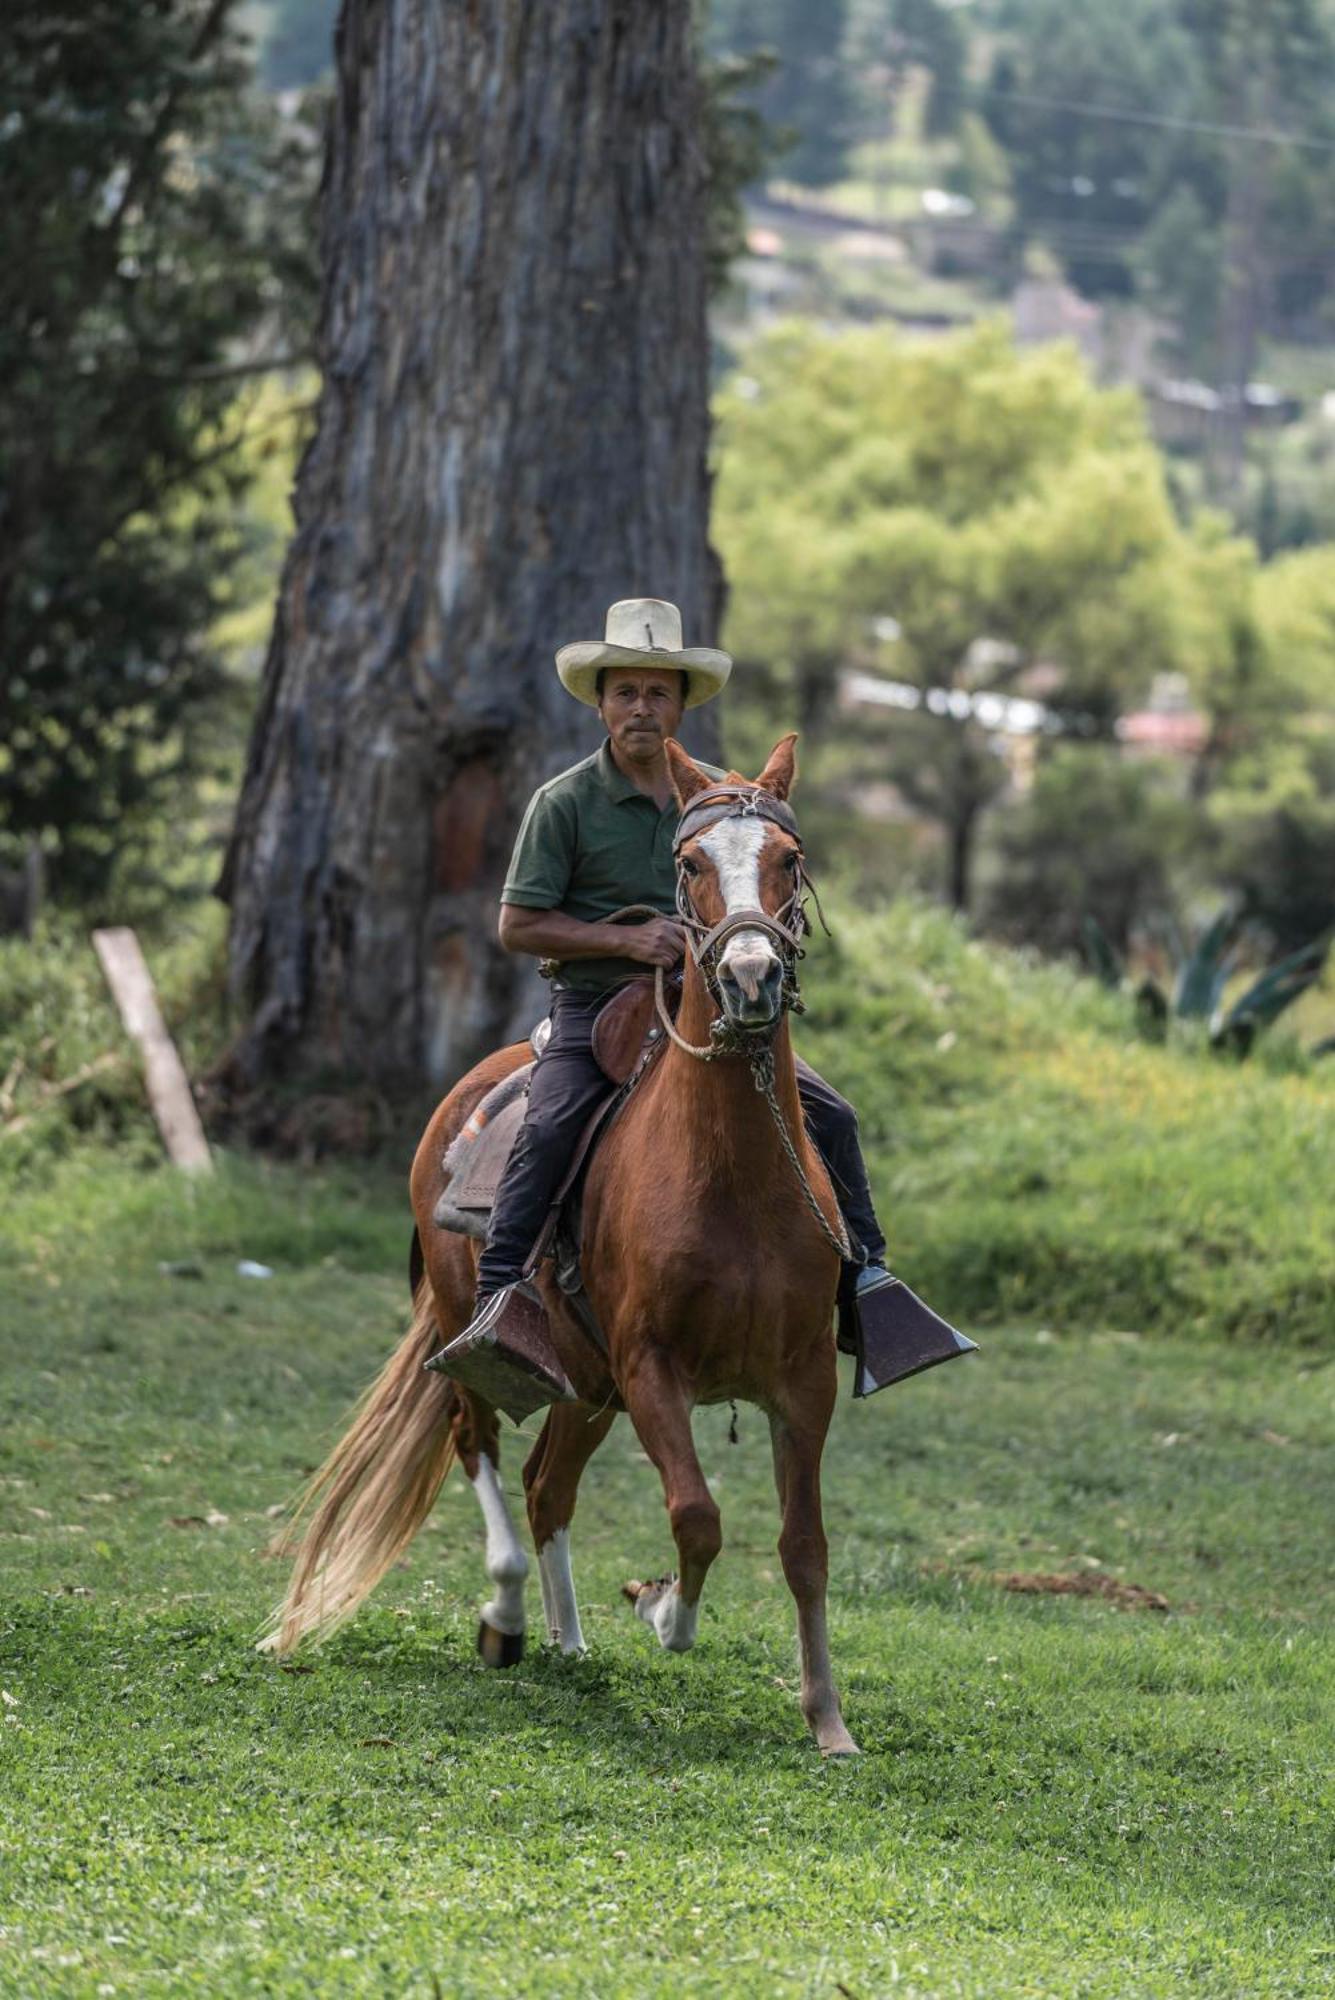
(661, 1413)
(798, 1441)
(568, 1440)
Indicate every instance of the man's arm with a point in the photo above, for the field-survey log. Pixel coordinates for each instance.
(552, 934)
(539, 876)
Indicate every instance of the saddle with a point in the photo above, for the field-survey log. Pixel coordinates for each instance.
(626, 1039)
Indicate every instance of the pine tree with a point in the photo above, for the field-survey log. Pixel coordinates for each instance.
(149, 226)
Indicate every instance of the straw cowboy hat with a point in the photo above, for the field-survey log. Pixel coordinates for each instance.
(642, 632)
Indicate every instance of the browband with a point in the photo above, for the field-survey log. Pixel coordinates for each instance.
(732, 802)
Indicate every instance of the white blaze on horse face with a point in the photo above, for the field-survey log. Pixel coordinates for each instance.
(507, 1565)
(558, 1593)
(734, 847)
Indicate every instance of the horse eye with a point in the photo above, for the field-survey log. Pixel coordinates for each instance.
(688, 867)
(790, 861)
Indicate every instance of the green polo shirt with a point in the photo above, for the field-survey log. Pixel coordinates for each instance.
(592, 842)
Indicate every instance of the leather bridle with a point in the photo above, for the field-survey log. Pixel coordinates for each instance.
(785, 930)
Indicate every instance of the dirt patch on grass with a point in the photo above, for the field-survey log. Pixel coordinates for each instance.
(1088, 1583)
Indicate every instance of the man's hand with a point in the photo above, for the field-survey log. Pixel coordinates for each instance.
(552, 934)
(661, 942)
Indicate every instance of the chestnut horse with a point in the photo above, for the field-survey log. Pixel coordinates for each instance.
(709, 1255)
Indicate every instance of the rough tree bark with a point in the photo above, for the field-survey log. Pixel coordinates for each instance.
(512, 434)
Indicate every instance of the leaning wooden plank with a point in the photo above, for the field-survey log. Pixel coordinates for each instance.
(131, 986)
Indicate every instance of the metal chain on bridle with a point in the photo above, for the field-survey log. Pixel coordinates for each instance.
(705, 942)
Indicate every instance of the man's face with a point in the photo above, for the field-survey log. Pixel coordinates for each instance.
(641, 707)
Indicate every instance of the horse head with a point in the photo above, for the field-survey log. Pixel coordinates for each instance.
(738, 857)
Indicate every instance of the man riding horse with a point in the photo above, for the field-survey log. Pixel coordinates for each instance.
(715, 1234)
(595, 839)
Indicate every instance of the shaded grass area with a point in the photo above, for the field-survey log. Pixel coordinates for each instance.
(1057, 1797)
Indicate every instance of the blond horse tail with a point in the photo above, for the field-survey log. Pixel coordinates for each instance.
(372, 1493)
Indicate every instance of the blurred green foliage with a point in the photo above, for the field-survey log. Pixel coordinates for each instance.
(1174, 159)
(1119, 129)
(805, 94)
(949, 515)
(1096, 837)
(1139, 203)
(917, 533)
(1087, 186)
(1273, 809)
(69, 1077)
(838, 71)
(739, 143)
(155, 250)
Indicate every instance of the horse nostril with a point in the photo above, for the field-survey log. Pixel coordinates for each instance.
(751, 974)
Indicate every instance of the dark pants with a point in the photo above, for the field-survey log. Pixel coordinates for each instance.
(566, 1085)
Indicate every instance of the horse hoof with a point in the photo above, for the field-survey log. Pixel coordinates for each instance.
(499, 1649)
(833, 1740)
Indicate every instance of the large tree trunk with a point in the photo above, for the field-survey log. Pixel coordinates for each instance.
(512, 434)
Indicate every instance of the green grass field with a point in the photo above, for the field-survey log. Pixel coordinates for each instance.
(1057, 1797)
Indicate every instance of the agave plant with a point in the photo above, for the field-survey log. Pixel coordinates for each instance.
(1202, 973)
(1267, 997)
(1204, 970)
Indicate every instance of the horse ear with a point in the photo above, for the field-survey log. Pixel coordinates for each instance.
(780, 774)
(687, 777)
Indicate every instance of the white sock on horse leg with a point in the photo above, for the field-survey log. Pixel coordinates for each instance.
(507, 1565)
(550, 1613)
(674, 1621)
(558, 1593)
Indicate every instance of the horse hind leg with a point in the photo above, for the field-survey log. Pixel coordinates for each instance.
(804, 1554)
(661, 1415)
(500, 1637)
(568, 1440)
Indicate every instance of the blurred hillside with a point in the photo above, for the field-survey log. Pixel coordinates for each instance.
(1152, 182)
